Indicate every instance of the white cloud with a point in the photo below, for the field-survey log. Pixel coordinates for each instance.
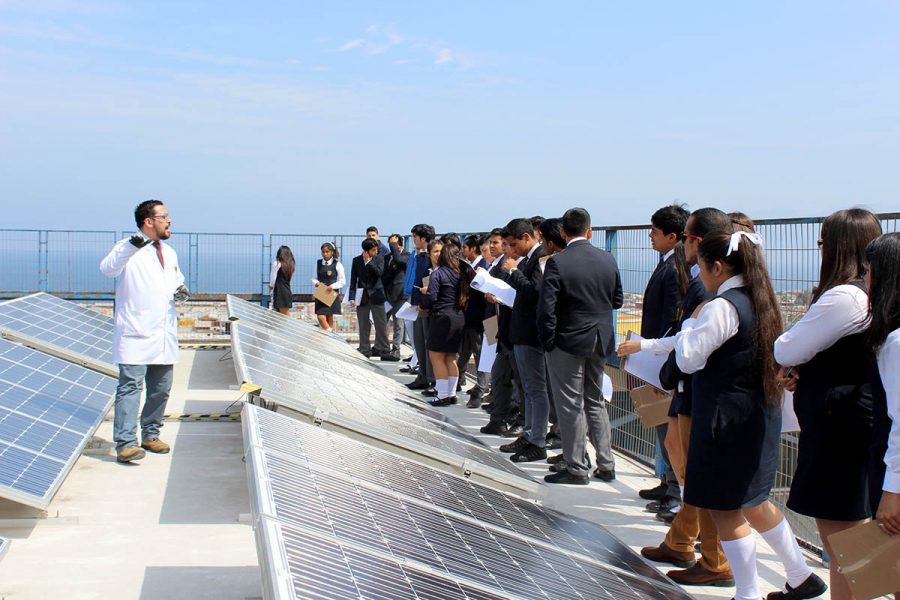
(444, 56)
(382, 39)
(355, 43)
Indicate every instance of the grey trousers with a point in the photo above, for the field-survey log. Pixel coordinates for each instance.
(398, 325)
(420, 333)
(532, 366)
(380, 319)
(471, 344)
(581, 409)
(506, 389)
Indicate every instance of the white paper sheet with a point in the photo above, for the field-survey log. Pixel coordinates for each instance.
(789, 422)
(645, 365)
(486, 284)
(357, 297)
(387, 306)
(607, 388)
(488, 355)
(408, 312)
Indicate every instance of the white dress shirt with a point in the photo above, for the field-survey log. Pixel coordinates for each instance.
(841, 311)
(146, 322)
(273, 274)
(889, 368)
(339, 268)
(717, 323)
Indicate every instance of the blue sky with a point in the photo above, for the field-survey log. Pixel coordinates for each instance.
(303, 117)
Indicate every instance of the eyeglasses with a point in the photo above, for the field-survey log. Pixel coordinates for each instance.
(164, 217)
(691, 236)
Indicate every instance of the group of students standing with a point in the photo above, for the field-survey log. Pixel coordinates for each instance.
(711, 307)
(730, 362)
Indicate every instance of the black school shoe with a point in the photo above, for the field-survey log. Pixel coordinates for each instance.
(443, 401)
(655, 493)
(604, 475)
(530, 454)
(516, 446)
(811, 588)
(566, 478)
(493, 428)
(514, 431)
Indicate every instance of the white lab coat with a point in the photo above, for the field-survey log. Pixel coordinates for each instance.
(146, 329)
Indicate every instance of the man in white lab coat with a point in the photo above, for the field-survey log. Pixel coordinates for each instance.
(145, 342)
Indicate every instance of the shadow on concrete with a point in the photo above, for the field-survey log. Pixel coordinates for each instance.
(207, 480)
(166, 583)
(212, 370)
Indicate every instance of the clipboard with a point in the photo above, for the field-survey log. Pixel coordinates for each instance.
(491, 329)
(867, 557)
(324, 294)
(651, 405)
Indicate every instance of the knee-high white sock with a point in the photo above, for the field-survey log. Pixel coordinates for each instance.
(781, 539)
(451, 382)
(440, 387)
(741, 554)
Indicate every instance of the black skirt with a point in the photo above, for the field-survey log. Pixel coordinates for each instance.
(830, 481)
(324, 309)
(733, 452)
(281, 295)
(445, 331)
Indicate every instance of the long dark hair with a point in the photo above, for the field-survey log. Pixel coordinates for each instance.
(741, 222)
(749, 261)
(683, 270)
(883, 254)
(845, 235)
(286, 258)
(704, 221)
(450, 259)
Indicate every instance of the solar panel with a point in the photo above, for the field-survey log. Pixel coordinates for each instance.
(333, 398)
(323, 488)
(49, 409)
(60, 328)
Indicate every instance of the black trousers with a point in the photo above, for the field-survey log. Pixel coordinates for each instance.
(506, 389)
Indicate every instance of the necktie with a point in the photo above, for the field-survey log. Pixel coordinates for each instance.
(159, 254)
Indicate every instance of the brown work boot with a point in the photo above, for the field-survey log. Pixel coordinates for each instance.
(700, 575)
(130, 453)
(663, 553)
(156, 445)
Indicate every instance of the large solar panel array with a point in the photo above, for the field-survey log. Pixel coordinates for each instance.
(299, 368)
(49, 409)
(60, 328)
(337, 518)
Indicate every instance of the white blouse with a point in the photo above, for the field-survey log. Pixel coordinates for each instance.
(889, 368)
(841, 311)
(717, 323)
(341, 280)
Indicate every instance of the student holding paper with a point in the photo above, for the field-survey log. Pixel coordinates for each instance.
(884, 338)
(329, 272)
(829, 357)
(395, 262)
(421, 264)
(690, 523)
(474, 329)
(736, 413)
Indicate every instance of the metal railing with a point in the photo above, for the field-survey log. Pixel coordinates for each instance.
(215, 264)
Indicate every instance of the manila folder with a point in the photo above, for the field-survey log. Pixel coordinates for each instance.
(651, 405)
(324, 294)
(869, 559)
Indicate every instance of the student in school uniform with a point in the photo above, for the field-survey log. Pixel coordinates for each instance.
(418, 266)
(690, 523)
(550, 231)
(884, 338)
(736, 413)
(445, 297)
(366, 274)
(828, 358)
(394, 274)
(474, 329)
(330, 272)
(280, 280)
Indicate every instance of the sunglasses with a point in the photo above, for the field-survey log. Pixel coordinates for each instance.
(691, 236)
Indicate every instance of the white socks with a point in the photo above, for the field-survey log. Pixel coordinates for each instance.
(741, 554)
(441, 388)
(781, 539)
(451, 385)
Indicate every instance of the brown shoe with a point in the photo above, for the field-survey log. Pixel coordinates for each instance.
(130, 453)
(700, 575)
(156, 445)
(663, 553)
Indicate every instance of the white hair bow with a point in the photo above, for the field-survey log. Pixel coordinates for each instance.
(736, 240)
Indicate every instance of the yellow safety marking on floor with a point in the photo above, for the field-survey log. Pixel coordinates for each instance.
(203, 417)
(249, 388)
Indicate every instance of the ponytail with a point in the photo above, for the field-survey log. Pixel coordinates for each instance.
(742, 254)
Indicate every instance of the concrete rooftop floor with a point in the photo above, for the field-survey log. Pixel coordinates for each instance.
(177, 526)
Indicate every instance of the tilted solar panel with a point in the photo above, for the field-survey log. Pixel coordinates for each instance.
(61, 328)
(369, 413)
(49, 409)
(330, 488)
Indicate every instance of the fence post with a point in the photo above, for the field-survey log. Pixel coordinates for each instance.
(265, 251)
(43, 248)
(612, 247)
(193, 261)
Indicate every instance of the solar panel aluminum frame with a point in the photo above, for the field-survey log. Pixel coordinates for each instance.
(4, 547)
(54, 350)
(408, 448)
